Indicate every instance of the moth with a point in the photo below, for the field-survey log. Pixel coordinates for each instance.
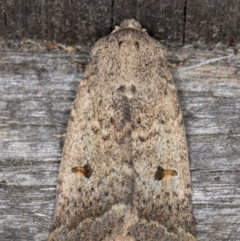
(124, 173)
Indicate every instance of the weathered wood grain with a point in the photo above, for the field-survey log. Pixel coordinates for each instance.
(210, 96)
(83, 22)
(212, 21)
(36, 95)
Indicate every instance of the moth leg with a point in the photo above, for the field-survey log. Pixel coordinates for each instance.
(78, 64)
(63, 135)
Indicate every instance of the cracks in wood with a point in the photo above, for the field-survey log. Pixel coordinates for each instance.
(220, 28)
(5, 20)
(137, 11)
(184, 20)
(26, 14)
(112, 16)
(221, 32)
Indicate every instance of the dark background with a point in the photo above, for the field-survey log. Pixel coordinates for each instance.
(85, 21)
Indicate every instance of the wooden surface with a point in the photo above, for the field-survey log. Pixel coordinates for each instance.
(83, 21)
(37, 90)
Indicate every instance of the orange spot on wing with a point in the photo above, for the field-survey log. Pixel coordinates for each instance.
(81, 171)
(162, 173)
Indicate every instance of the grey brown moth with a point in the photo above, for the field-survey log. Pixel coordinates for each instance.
(124, 173)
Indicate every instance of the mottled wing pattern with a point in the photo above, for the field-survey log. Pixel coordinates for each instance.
(125, 170)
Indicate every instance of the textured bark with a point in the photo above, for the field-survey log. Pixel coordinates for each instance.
(84, 21)
(212, 21)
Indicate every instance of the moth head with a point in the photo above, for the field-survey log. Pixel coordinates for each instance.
(130, 23)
